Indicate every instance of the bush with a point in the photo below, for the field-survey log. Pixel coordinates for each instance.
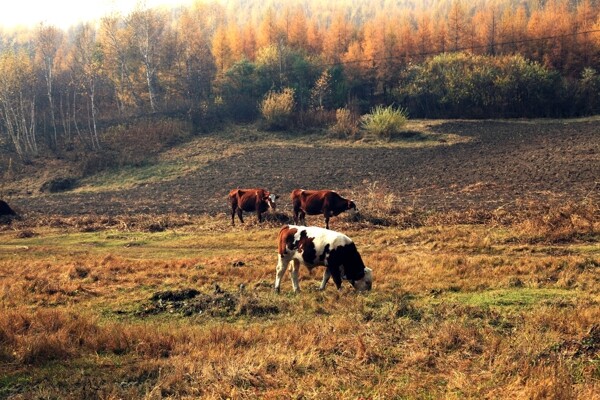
(318, 118)
(58, 185)
(346, 124)
(384, 122)
(277, 108)
(472, 86)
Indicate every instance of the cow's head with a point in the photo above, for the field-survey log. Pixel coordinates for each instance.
(365, 283)
(270, 199)
(352, 206)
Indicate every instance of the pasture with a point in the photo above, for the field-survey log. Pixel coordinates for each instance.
(483, 238)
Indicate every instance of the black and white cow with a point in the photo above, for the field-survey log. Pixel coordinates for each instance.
(315, 246)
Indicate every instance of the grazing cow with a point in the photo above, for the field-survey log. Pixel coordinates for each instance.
(250, 200)
(5, 209)
(314, 202)
(318, 246)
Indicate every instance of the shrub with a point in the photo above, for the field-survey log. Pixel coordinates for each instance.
(58, 185)
(346, 124)
(384, 122)
(467, 85)
(277, 108)
(315, 118)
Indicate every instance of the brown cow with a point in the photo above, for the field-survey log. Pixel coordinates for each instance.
(315, 202)
(250, 200)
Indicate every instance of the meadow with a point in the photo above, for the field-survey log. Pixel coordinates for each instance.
(483, 238)
(457, 311)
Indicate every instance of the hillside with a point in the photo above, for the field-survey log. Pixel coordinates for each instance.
(450, 166)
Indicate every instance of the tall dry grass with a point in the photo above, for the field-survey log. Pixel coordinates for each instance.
(457, 311)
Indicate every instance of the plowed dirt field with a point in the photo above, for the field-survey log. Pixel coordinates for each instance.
(502, 163)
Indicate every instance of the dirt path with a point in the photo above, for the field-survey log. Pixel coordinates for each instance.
(503, 162)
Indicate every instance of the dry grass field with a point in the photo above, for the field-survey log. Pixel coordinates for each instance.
(113, 308)
(471, 298)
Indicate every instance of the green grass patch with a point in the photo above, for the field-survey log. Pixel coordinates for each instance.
(135, 245)
(131, 176)
(11, 384)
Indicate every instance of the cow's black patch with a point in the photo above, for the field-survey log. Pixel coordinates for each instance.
(324, 254)
(307, 248)
(347, 256)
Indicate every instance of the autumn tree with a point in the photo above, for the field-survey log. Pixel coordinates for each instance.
(513, 30)
(221, 50)
(298, 30)
(48, 40)
(584, 22)
(456, 24)
(148, 28)
(86, 64)
(441, 37)
(199, 69)
(235, 41)
(424, 34)
(18, 103)
(116, 42)
(358, 70)
(268, 32)
(314, 37)
(337, 37)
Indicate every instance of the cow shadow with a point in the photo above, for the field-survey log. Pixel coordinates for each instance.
(278, 218)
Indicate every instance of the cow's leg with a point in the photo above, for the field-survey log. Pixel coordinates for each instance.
(302, 218)
(338, 281)
(239, 214)
(296, 212)
(282, 265)
(294, 273)
(336, 274)
(326, 276)
(259, 216)
(233, 215)
(326, 215)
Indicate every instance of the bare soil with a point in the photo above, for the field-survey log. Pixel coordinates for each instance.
(503, 163)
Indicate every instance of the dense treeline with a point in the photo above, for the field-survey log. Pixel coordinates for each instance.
(212, 61)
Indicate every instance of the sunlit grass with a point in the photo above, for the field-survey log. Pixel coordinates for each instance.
(448, 302)
(514, 297)
(131, 176)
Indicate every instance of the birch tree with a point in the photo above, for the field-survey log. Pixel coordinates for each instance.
(86, 68)
(48, 40)
(148, 27)
(17, 102)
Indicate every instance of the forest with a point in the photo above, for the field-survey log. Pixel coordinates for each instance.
(215, 61)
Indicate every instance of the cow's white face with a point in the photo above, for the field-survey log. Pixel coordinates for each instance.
(271, 200)
(366, 282)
